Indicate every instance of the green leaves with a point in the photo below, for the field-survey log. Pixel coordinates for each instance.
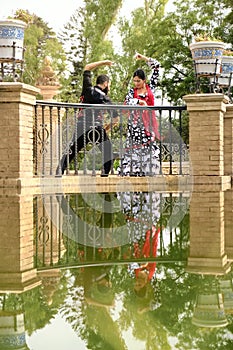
(151, 29)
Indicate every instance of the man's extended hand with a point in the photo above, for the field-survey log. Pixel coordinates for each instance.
(93, 65)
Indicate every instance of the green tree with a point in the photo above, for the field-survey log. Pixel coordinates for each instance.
(138, 34)
(190, 19)
(150, 30)
(167, 36)
(39, 41)
(85, 38)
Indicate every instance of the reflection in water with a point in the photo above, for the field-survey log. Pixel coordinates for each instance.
(123, 270)
(110, 222)
(209, 310)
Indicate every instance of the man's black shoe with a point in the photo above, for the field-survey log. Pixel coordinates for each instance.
(59, 171)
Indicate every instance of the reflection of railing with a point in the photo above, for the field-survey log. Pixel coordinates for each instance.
(55, 133)
(82, 229)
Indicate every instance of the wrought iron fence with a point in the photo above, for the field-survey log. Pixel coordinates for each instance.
(59, 127)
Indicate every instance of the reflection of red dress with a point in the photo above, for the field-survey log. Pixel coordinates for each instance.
(149, 249)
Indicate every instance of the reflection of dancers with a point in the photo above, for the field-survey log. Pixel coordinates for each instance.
(145, 272)
(143, 210)
(95, 321)
(96, 221)
(97, 286)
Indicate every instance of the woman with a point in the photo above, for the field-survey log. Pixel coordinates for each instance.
(141, 153)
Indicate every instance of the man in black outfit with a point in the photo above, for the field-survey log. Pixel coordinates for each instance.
(86, 130)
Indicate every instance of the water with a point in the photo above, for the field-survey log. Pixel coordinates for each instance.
(116, 270)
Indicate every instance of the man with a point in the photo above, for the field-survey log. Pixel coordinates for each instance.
(86, 130)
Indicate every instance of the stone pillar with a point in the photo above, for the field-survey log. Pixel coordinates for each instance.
(49, 92)
(17, 272)
(17, 101)
(206, 135)
(50, 281)
(207, 234)
(228, 140)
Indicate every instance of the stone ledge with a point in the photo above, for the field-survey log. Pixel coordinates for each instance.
(206, 102)
(114, 183)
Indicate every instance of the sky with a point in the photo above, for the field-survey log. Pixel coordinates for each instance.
(56, 14)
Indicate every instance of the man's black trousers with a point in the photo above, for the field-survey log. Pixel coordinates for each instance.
(89, 134)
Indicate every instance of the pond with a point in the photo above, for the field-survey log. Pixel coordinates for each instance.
(112, 271)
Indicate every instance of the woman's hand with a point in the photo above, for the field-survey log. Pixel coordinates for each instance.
(139, 56)
(142, 103)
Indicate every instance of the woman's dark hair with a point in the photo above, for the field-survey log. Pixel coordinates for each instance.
(101, 79)
(140, 74)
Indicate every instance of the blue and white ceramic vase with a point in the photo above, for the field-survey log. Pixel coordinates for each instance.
(226, 76)
(11, 40)
(207, 57)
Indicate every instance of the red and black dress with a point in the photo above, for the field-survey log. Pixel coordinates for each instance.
(141, 151)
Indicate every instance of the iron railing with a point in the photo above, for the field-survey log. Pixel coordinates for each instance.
(55, 131)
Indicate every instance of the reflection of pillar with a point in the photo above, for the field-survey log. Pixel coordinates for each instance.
(50, 282)
(226, 288)
(228, 211)
(49, 240)
(17, 271)
(12, 331)
(207, 244)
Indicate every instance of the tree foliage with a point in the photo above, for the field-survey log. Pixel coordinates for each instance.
(167, 36)
(39, 41)
(85, 39)
(152, 30)
(96, 31)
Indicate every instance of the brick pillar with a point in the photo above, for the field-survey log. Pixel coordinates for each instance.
(207, 241)
(17, 102)
(17, 272)
(229, 224)
(228, 140)
(206, 134)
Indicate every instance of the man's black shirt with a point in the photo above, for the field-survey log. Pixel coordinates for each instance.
(93, 94)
